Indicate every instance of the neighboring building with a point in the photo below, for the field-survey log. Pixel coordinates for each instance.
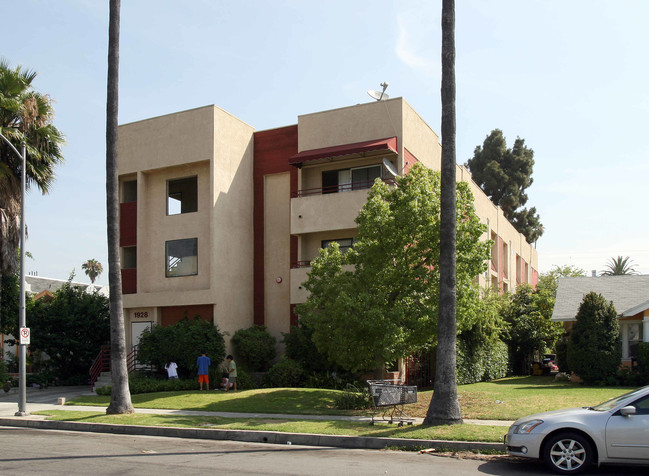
(630, 297)
(221, 221)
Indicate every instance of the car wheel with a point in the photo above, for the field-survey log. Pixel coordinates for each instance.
(568, 453)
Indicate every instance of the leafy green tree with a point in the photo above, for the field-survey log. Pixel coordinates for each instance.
(70, 329)
(594, 348)
(93, 269)
(619, 266)
(385, 305)
(530, 329)
(504, 174)
(254, 348)
(181, 343)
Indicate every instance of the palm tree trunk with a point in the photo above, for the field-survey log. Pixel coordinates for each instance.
(120, 397)
(444, 407)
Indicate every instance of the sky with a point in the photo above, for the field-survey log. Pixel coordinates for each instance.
(569, 77)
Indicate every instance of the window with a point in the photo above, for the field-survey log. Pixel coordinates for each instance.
(182, 195)
(344, 180)
(129, 191)
(182, 257)
(345, 244)
(129, 257)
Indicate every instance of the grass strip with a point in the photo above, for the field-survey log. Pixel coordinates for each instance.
(481, 433)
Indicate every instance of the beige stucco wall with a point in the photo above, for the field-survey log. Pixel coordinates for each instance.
(277, 254)
(348, 125)
(217, 148)
(494, 218)
(420, 139)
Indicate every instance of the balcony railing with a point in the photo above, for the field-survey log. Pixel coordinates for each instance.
(347, 187)
(301, 264)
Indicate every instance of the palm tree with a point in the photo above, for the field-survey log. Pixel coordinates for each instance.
(444, 407)
(619, 266)
(25, 116)
(120, 396)
(93, 269)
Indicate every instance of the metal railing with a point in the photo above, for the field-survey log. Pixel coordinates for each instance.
(346, 187)
(101, 364)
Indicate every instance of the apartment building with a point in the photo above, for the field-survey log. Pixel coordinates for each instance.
(221, 221)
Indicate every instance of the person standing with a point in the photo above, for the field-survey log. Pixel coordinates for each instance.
(232, 373)
(172, 370)
(203, 363)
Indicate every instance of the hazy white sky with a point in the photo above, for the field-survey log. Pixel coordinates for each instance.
(570, 77)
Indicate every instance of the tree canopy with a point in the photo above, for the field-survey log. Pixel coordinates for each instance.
(379, 301)
(619, 266)
(93, 269)
(504, 174)
(25, 116)
(595, 337)
(70, 329)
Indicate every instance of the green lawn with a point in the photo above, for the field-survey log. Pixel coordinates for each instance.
(504, 399)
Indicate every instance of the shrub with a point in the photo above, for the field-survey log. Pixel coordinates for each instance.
(182, 343)
(300, 347)
(594, 348)
(285, 373)
(353, 398)
(478, 362)
(4, 375)
(254, 348)
(244, 380)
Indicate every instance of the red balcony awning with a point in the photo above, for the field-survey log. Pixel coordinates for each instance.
(389, 145)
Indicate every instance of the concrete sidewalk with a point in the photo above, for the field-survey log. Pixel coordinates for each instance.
(48, 399)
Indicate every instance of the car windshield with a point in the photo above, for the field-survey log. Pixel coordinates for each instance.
(613, 402)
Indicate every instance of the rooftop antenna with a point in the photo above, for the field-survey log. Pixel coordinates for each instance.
(379, 95)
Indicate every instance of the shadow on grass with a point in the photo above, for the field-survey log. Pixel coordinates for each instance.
(282, 400)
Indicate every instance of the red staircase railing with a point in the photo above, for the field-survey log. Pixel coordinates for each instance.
(131, 360)
(101, 364)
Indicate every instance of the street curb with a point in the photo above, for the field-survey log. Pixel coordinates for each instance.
(252, 436)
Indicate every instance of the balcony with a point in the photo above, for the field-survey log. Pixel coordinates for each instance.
(329, 208)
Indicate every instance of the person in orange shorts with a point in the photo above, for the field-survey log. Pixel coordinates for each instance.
(203, 363)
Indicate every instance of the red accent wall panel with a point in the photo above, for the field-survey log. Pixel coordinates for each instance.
(129, 281)
(534, 279)
(128, 224)
(171, 314)
(501, 263)
(272, 150)
(410, 159)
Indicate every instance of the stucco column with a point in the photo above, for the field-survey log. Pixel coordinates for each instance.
(645, 329)
(625, 340)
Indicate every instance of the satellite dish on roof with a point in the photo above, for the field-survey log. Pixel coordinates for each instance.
(389, 167)
(379, 95)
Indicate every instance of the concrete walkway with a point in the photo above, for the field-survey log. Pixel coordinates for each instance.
(50, 398)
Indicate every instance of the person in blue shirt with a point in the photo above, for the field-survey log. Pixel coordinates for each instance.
(203, 363)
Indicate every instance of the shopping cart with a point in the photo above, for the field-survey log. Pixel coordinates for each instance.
(389, 397)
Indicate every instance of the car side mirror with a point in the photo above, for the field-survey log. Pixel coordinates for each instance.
(626, 411)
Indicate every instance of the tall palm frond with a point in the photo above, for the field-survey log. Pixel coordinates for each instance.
(619, 266)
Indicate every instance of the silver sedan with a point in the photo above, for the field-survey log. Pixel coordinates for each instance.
(570, 441)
